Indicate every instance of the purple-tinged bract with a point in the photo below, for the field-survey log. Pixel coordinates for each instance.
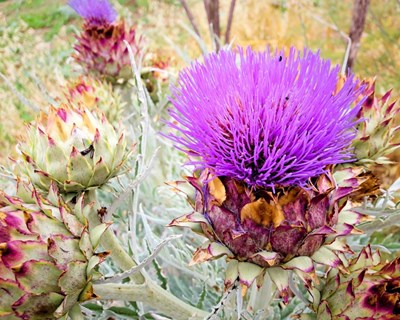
(370, 290)
(265, 119)
(96, 12)
(48, 255)
(264, 232)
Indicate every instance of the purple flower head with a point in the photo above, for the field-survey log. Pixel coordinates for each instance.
(97, 12)
(264, 118)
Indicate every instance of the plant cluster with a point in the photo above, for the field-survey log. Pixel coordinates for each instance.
(279, 154)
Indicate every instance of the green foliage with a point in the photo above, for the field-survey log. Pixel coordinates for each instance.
(202, 297)
(389, 238)
(160, 276)
(41, 14)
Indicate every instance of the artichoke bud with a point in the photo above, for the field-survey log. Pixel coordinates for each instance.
(376, 134)
(47, 257)
(101, 50)
(370, 290)
(95, 95)
(73, 147)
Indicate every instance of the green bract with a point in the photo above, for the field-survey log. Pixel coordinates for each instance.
(375, 139)
(370, 290)
(95, 95)
(76, 148)
(47, 256)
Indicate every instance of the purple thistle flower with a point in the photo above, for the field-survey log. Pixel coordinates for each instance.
(97, 12)
(264, 118)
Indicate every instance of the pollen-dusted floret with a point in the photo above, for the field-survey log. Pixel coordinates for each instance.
(265, 119)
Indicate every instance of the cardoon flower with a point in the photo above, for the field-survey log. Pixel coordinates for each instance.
(265, 119)
(101, 49)
(267, 130)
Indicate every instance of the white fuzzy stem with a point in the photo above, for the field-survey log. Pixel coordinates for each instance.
(151, 294)
(110, 242)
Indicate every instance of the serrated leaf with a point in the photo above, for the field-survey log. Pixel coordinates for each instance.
(163, 280)
(202, 297)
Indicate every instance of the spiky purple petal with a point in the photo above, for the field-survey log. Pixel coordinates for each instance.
(264, 118)
(94, 11)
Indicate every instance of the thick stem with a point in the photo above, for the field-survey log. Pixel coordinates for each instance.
(123, 260)
(142, 289)
(154, 296)
(110, 242)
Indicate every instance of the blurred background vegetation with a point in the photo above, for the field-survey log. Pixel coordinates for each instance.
(37, 37)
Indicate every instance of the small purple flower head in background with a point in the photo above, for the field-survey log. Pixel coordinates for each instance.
(97, 12)
(265, 119)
